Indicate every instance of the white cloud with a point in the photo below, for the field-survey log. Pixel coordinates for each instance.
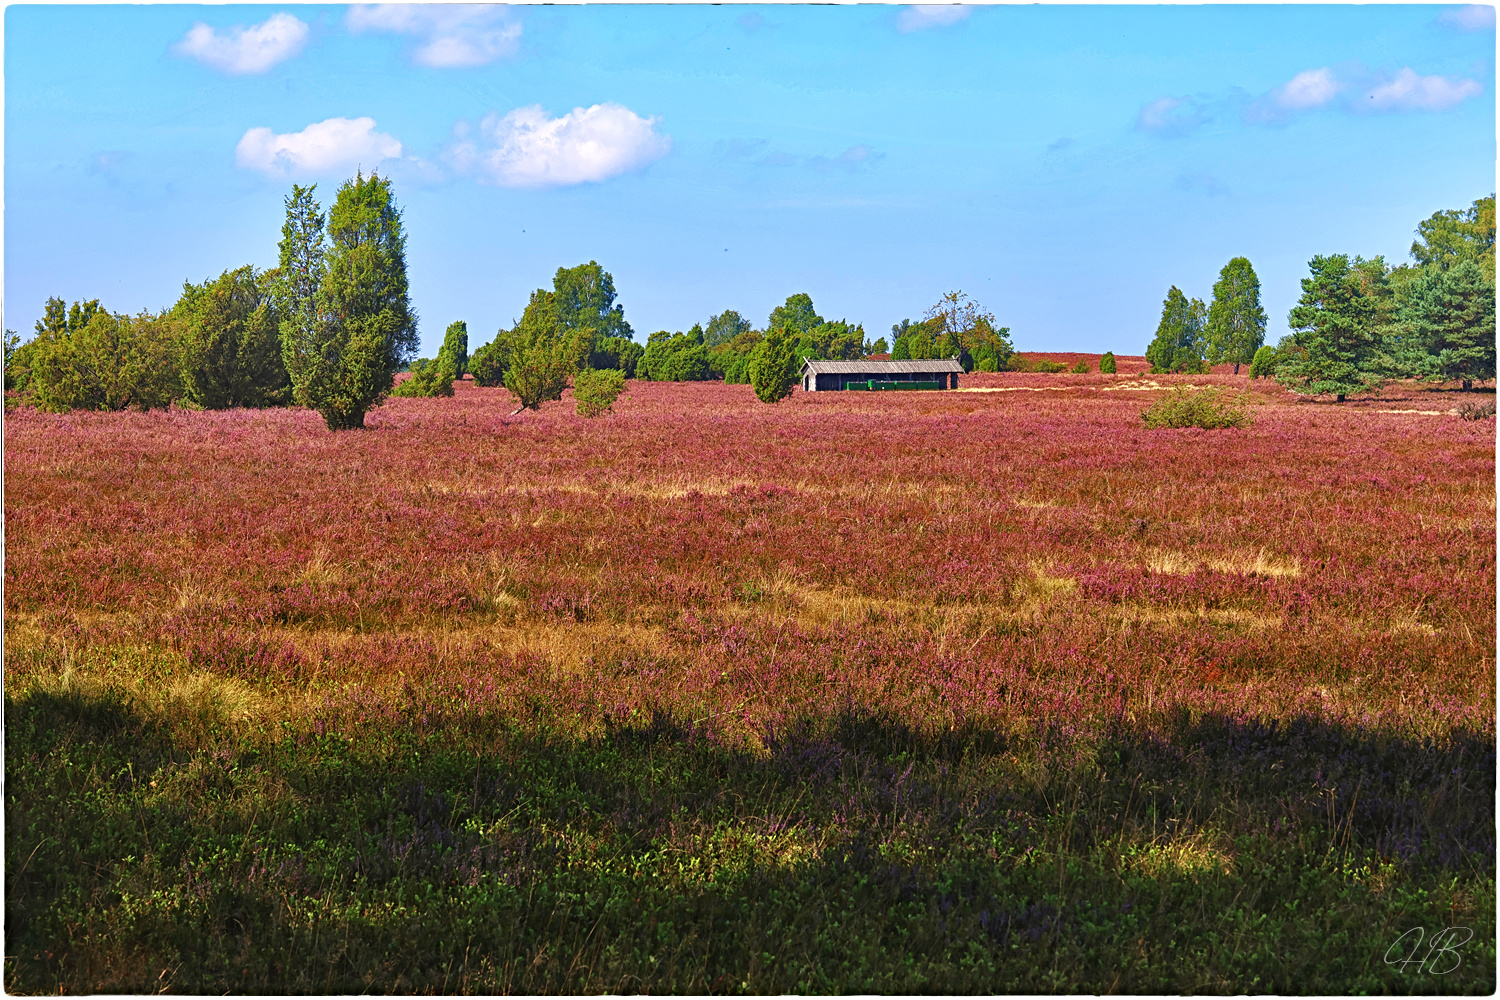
(1171, 116)
(245, 50)
(1471, 17)
(920, 16)
(338, 143)
(1410, 92)
(525, 148)
(1312, 88)
(452, 35)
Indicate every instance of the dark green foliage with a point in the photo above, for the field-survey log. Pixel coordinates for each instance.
(833, 340)
(1263, 364)
(774, 367)
(229, 342)
(1209, 409)
(723, 328)
(1107, 365)
(428, 378)
(1236, 326)
(1178, 344)
(879, 347)
(1336, 328)
(112, 362)
(1082, 368)
(455, 348)
(539, 354)
(854, 855)
(958, 327)
(674, 357)
(1448, 323)
(487, 364)
(731, 361)
(617, 352)
(344, 350)
(12, 344)
(595, 391)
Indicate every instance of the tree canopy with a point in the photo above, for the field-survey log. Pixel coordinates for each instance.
(1178, 344)
(1236, 326)
(1336, 328)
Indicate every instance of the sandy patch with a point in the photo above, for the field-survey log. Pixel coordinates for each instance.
(1428, 413)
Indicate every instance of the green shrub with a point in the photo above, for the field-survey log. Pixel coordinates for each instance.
(1047, 367)
(1082, 368)
(1263, 365)
(595, 391)
(1107, 363)
(429, 378)
(114, 362)
(1205, 408)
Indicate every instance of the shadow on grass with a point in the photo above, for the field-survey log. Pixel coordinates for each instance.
(859, 853)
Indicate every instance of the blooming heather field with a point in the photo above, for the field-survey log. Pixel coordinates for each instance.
(980, 691)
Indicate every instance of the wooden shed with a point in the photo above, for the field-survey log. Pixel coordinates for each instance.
(835, 376)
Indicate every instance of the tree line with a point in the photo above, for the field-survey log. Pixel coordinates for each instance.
(332, 325)
(1358, 323)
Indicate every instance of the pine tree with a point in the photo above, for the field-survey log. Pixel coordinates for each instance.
(1449, 316)
(229, 342)
(1107, 365)
(1336, 328)
(1236, 322)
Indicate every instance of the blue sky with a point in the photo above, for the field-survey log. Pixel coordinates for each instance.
(1064, 165)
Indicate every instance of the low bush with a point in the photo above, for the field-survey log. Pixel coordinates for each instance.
(1107, 363)
(1205, 408)
(595, 391)
(1082, 368)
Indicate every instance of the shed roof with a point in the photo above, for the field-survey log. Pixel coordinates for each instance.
(881, 367)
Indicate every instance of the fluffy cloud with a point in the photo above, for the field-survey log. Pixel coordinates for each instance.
(525, 148)
(1472, 17)
(338, 143)
(920, 16)
(451, 35)
(1171, 116)
(1410, 92)
(1312, 88)
(245, 50)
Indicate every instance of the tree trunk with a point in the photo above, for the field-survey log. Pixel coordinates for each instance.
(1468, 384)
(1340, 399)
(1236, 367)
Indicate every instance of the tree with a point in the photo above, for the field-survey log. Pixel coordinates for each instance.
(456, 348)
(428, 378)
(363, 328)
(12, 339)
(961, 328)
(1107, 365)
(1236, 322)
(487, 364)
(732, 361)
(1335, 326)
(674, 357)
(879, 347)
(1449, 237)
(539, 372)
(616, 353)
(1178, 344)
(229, 342)
(299, 275)
(584, 297)
(796, 315)
(1263, 364)
(114, 362)
(723, 328)
(1449, 318)
(595, 392)
(773, 371)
